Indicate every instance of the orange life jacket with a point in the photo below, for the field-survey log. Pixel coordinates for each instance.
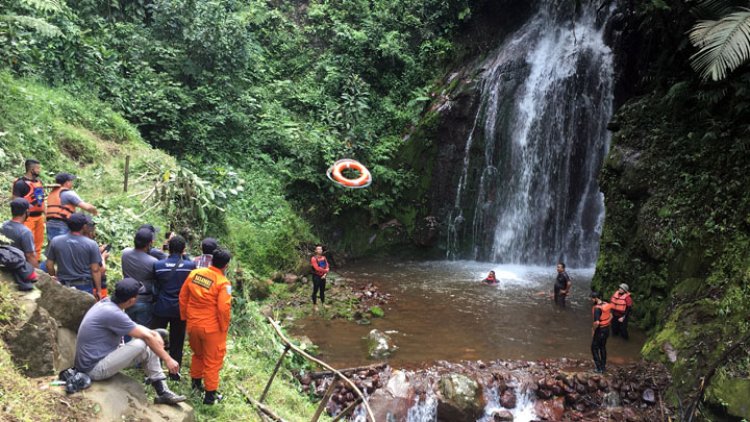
(35, 196)
(55, 208)
(606, 317)
(619, 302)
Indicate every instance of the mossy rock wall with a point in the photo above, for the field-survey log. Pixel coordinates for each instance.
(677, 231)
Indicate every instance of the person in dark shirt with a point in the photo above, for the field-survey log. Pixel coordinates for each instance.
(15, 230)
(137, 263)
(320, 271)
(562, 285)
(170, 276)
(31, 188)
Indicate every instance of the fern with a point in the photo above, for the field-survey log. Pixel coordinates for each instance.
(724, 44)
(41, 26)
(47, 6)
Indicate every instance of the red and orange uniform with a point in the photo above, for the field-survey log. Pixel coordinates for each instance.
(35, 221)
(206, 305)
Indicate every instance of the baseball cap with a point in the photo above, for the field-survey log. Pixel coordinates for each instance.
(90, 220)
(76, 221)
(63, 177)
(126, 289)
(19, 206)
(625, 287)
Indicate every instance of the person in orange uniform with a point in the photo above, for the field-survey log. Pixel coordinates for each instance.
(320, 271)
(602, 313)
(621, 305)
(206, 306)
(30, 188)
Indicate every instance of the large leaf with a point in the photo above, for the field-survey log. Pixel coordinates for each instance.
(724, 44)
(41, 26)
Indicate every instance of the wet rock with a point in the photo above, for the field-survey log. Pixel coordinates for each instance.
(65, 304)
(551, 410)
(380, 345)
(611, 399)
(427, 232)
(508, 399)
(385, 407)
(460, 399)
(290, 278)
(544, 394)
(501, 415)
(649, 396)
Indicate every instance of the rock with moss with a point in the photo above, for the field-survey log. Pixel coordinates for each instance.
(380, 345)
(460, 398)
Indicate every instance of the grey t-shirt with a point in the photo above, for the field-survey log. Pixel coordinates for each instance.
(140, 266)
(68, 197)
(20, 235)
(99, 334)
(73, 256)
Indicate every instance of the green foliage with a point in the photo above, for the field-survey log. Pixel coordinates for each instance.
(724, 44)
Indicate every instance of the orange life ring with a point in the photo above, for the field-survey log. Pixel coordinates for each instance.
(335, 173)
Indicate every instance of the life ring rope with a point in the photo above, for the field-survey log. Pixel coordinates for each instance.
(335, 174)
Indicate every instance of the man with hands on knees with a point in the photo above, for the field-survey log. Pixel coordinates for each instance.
(100, 354)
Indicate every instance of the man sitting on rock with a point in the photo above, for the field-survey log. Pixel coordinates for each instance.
(100, 354)
(15, 230)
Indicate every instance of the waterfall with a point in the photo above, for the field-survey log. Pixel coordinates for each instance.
(528, 190)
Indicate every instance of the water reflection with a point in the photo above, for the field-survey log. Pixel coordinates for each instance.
(442, 310)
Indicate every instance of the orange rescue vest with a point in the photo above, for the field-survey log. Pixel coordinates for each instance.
(35, 196)
(619, 302)
(606, 317)
(55, 208)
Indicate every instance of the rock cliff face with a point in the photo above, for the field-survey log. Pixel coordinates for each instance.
(677, 232)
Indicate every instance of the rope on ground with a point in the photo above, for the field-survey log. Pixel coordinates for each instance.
(276, 328)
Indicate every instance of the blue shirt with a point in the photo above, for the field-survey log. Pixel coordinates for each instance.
(170, 275)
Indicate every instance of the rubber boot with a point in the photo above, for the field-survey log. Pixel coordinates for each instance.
(212, 397)
(197, 385)
(164, 395)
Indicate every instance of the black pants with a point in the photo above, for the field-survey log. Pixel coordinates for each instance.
(620, 328)
(176, 335)
(319, 284)
(559, 298)
(599, 347)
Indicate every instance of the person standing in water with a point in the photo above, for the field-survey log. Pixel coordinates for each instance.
(320, 271)
(490, 278)
(602, 314)
(562, 284)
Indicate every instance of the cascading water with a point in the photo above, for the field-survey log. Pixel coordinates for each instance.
(528, 191)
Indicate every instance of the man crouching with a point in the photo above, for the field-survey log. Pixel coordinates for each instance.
(100, 354)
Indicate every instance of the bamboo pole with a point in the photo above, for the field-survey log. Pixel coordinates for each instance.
(276, 328)
(348, 409)
(324, 401)
(263, 408)
(127, 173)
(273, 375)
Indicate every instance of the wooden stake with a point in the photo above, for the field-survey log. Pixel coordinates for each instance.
(260, 406)
(273, 375)
(324, 401)
(348, 409)
(127, 173)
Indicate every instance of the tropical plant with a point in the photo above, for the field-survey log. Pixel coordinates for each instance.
(724, 43)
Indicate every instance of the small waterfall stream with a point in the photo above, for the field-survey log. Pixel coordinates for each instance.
(528, 191)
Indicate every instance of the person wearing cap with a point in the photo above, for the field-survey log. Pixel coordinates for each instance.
(14, 229)
(206, 306)
(155, 252)
(100, 354)
(621, 305)
(602, 314)
(137, 263)
(89, 230)
(171, 274)
(31, 188)
(208, 246)
(74, 259)
(61, 203)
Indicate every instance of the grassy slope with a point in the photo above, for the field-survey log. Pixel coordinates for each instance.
(69, 133)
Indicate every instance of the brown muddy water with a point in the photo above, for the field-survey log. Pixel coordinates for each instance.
(442, 311)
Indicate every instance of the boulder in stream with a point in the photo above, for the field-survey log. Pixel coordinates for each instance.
(380, 345)
(460, 399)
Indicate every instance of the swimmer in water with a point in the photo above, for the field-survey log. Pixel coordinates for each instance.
(491, 280)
